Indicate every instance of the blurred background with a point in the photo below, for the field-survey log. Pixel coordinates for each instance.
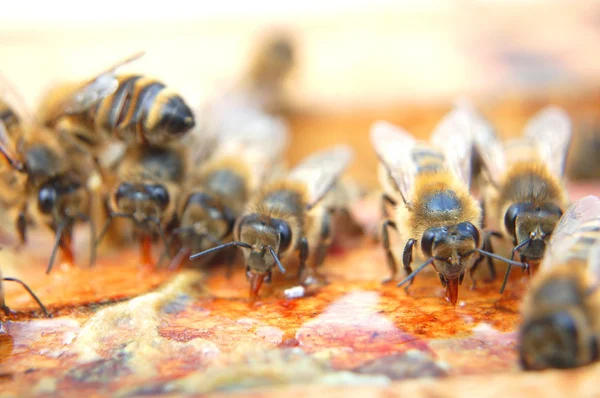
(357, 60)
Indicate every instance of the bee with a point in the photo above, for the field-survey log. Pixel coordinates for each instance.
(216, 192)
(41, 172)
(7, 311)
(265, 79)
(437, 214)
(133, 109)
(526, 195)
(285, 217)
(561, 312)
(147, 187)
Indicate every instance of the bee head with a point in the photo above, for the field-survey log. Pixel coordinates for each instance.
(263, 234)
(62, 196)
(531, 226)
(559, 339)
(453, 251)
(206, 220)
(142, 200)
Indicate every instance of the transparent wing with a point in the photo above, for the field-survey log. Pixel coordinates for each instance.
(6, 149)
(259, 140)
(13, 99)
(550, 130)
(488, 150)
(320, 171)
(394, 146)
(579, 217)
(454, 137)
(94, 90)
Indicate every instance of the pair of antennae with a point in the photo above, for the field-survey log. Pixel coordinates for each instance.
(239, 244)
(152, 220)
(510, 263)
(59, 237)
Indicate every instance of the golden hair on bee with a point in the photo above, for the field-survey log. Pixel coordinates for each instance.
(283, 217)
(146, 191)
(217, 192)
(437, 214)
(561, 311)
(526, 194)
(131, 108)
(55, 180)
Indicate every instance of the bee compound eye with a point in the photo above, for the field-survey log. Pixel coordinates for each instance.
(285, 233)
(467, 229)
(47, 197)
(159, 194)
(510, 217)
(427, 242)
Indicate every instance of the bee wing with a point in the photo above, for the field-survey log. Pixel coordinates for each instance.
(453, 136)
(585, 210)
(320, 171)
(259, 139)
(550, 131)
(94, 90)
(393, 146)
(6, 149)
(486, 147)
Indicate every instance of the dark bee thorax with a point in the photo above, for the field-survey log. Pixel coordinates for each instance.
(529, 186)
(227, 185)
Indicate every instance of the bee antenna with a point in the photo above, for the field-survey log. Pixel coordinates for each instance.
(510, 264)
(279, 265)
(216, 248)
(415, 272)
(58, 237)
(31, 293)
(87, 219)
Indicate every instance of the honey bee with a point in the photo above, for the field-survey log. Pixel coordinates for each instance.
(216, 192)
(526, 195)
(40, 171)
(133, 109)
(7, 311)
(147, 187)
(272, 63)
(437, 214)
(285, 217)
(561, 312)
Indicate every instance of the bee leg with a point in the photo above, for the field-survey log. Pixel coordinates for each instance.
(303, 256)
(391, 261)
(407, 259)
(325, 239)
(179, 258)
(487, 246)
(385, 201)
(7, 310)
(230, 260)
(21, 225)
